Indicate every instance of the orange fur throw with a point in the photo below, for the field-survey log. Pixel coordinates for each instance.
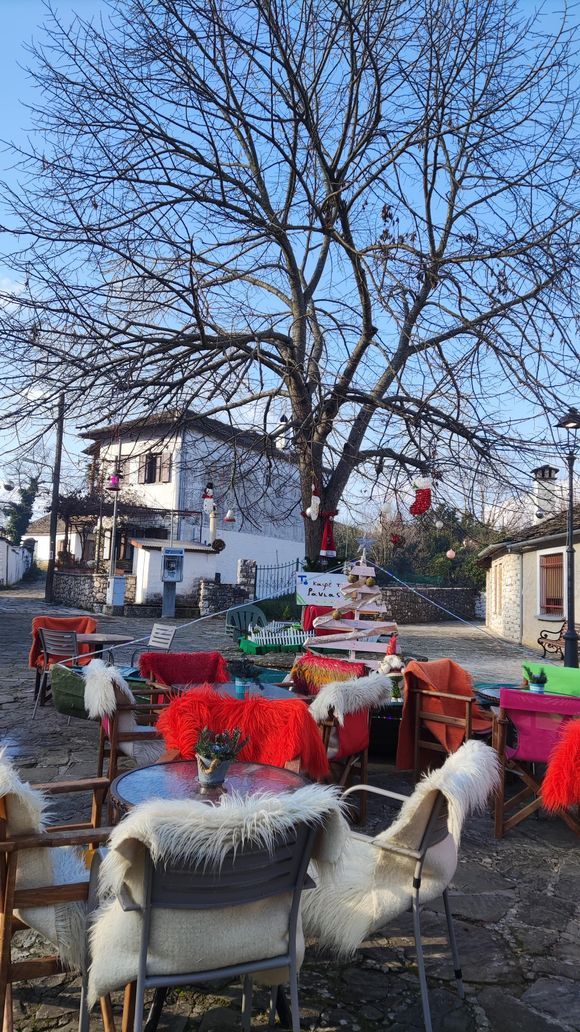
(278, 731)
(310, 672)
(561, 784)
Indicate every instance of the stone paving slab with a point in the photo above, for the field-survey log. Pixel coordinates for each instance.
(517, 901)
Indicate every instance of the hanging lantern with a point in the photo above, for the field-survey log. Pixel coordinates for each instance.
(230, 516)
(438, 524)
(450, 554)
(8, 486)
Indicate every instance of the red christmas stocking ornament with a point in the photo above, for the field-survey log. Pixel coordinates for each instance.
(422, 501)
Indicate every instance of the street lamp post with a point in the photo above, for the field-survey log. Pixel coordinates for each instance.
(570, 422)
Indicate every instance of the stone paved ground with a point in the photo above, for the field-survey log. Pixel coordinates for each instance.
(516, 901)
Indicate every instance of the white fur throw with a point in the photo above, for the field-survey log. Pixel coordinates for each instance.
(189, 830)
(103, 685)
(62, 924)
(105, 688)
(344, 697)
(368, 886)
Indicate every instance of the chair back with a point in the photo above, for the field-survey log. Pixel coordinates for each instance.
(539, 721)
(161, 637)
(244, 876)
(169, 668)
(58, 646)
(79, 624)
(240, 619)
(310, 672)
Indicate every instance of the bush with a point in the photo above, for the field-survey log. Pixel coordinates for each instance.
(283, 608)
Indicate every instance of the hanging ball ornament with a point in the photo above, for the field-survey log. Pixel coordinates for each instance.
(450, 554)
(353, 578)
(370, 582)
(336, 614)
(438, 524)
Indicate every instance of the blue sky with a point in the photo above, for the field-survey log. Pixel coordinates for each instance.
(21, 22)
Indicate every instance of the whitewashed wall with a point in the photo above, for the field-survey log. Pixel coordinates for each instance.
(147, 563)
(14, 562)
(42, 545)
(266, 551)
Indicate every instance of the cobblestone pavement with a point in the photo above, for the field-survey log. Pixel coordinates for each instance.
(516, 902)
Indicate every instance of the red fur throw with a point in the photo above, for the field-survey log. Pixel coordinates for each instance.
(310, 672)
(169, 668)
(279, 731)
(561, 784)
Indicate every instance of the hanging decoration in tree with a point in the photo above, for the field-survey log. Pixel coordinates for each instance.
(438, 524)
(327, 546)
(207, 499)
(314, 507)
(422, 502)
(450, 554)
(396, 539)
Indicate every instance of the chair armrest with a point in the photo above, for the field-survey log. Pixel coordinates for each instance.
(443, 695)
(376, 791)
(82, 785)
(412, 854)
(83, 837)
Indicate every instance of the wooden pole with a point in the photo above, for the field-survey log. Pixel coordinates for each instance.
(49, 587)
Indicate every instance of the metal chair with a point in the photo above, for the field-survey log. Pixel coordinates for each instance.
(57, 647)
(240, 619)
(435, 833)
(160, 640)
(247, 876)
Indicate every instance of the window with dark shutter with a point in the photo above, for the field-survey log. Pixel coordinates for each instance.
(552, 584)
(166, 467)
(142, 469)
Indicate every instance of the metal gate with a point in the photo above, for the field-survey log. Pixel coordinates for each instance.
(274, 581)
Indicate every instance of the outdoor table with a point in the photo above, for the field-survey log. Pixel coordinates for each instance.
(274, 692)
(179, 780)
(101, 639)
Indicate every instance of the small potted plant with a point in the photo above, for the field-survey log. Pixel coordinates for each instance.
(244, 673)
(536, 682)
(215, 751)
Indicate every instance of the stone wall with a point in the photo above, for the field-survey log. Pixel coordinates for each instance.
(214, 597)
(504, 597)
(83, 590)
(406, 607)
(246, 577)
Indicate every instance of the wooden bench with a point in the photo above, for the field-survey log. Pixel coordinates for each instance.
(552, 642)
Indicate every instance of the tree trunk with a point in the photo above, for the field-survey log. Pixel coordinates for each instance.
(312, 539)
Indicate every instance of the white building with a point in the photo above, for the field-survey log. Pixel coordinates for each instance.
(14, 562)
(166, 467)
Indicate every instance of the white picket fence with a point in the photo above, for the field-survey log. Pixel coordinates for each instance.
(277, 633)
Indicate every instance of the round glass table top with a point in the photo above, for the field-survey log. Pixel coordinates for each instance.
(179, 780)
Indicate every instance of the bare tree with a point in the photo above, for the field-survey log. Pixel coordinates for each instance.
(363, 207)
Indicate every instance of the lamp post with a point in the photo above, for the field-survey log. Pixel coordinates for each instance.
(570, 422)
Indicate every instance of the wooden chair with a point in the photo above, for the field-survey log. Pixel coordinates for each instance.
(539, 721)
(28, 854)
(440, 713)
(160, 640)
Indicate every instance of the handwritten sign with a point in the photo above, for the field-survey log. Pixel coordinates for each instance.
(319, 589)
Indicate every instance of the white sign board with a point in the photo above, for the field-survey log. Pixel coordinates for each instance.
(319, 589)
